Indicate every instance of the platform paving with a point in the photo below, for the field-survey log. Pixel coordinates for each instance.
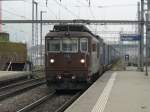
(130, 93)
(117, 91)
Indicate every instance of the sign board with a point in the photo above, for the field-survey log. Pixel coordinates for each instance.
(130, 37)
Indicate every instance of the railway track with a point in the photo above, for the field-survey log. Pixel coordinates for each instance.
(36, 103)
(68, 103)
(13, 89)
(12, 81)
(51, 103)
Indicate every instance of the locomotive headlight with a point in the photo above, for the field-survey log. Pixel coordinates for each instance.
(59, 77)
(73, 77)
(52, 60)
(82, 60)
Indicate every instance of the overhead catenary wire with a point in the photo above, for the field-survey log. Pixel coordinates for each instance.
(19, 31)
(109, 6)
(72, 13)
(15, 14)
(50, 10)
(90, 10)
(117, 5)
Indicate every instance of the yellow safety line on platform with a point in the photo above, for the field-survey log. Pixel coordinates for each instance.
(102, 101)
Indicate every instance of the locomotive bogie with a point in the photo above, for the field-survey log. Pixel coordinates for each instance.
(70, 80)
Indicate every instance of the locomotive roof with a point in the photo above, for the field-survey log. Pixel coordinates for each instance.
(71, 27)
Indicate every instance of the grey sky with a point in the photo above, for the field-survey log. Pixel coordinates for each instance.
(66, 9)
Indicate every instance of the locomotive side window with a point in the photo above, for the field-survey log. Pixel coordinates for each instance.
(70, 45)
(98, 50)
(93, 47)
(84, 45)
(53, 45)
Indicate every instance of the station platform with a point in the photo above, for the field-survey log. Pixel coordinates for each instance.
(9, 75)
(116, 91)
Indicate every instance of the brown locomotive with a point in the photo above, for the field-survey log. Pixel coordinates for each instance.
(73, 56)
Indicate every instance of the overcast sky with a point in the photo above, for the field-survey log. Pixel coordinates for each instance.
(66, 9)
(73, 9)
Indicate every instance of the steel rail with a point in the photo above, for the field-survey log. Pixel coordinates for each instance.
(12, 80)
(17, 91)
(36, 103)
(19, 84)
(102, 22)
(68, 103)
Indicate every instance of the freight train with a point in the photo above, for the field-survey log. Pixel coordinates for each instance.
(13, 55)
(75, 57)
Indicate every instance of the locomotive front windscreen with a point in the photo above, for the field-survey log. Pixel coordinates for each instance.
(62, 45)
(53, 45)
(70, 45)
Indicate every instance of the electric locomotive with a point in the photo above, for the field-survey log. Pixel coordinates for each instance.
(73, 56)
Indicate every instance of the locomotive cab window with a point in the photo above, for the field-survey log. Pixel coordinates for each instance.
(53, 45)
(94, 47)
(70, 45)
(83, 44)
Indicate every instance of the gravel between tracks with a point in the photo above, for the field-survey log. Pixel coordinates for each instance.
(15, 103)
(52, 104)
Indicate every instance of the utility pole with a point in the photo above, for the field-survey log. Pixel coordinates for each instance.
(139, 29)
(146, 54)
(41, 32)
(147, 36)
(0, 16)
(142, 35)
(34, 31)
(148, 29)
(32, 54)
